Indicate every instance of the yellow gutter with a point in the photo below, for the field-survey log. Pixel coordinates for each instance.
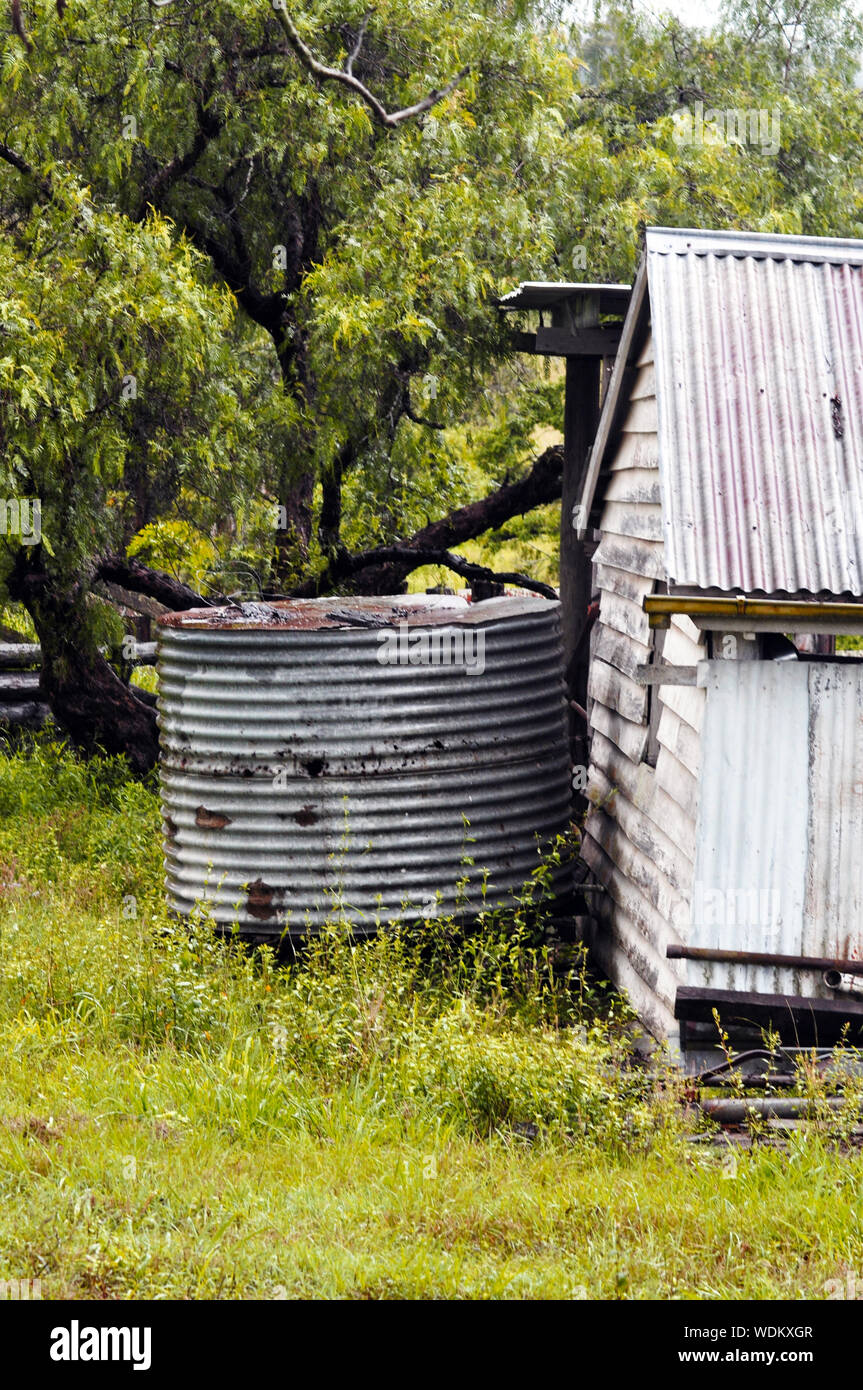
(660, 607)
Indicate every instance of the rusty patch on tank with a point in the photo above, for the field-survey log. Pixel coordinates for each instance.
(211, 820)
(260, 900)
(307, 815)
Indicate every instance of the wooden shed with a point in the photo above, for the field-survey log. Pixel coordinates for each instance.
(724, 497)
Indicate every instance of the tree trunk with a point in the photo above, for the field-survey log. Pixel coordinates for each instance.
(86, 696)
(293, 534)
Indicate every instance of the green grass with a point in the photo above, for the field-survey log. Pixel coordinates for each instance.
(425, 1115)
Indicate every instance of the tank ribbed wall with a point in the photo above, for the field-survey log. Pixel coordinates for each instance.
(300, 775)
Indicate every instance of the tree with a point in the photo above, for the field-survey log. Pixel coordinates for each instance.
(337, 196)
(298, 190)
(294, 192)
(109, 368)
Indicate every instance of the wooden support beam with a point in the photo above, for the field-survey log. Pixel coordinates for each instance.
(792, 1015)
(15, 684)
(20, 655)
(30, 715)
(562, 342)
(580, 418)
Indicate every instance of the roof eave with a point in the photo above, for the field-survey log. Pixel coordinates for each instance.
(616, 398)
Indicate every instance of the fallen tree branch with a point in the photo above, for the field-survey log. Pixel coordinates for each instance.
(414, 556)
(124, 598)
(541, 484)
(346, 77)
(140, 579)
(385, 568)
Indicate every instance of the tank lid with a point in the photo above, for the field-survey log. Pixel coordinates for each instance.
(343, 614)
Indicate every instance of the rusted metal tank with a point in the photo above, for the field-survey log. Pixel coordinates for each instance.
(364, 759)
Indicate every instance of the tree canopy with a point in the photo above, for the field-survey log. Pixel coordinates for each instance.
(252, 252)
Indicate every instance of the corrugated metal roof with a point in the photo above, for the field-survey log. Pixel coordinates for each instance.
(761, 245)
(759, 377)
(541, 294)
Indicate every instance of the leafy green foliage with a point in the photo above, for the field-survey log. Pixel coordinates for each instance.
(364, 261)
(115, 364)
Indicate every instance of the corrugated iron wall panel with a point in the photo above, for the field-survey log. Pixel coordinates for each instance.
(779, 842)
(834, 879)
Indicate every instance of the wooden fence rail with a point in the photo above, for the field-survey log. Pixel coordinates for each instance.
(20, 664)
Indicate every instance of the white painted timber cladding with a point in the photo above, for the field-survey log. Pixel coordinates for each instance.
(639, 838)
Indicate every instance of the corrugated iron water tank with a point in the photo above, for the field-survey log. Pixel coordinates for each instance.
(363, 758)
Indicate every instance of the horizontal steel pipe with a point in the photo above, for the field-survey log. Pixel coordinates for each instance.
(711, 953)
(736, 1112)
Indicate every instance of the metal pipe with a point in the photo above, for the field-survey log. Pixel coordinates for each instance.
(662, 606)
(735, 1112)
(843, 982)
(719, 1074)
(710, 953)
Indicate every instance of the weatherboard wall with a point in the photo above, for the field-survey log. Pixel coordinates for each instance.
(639, 838)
